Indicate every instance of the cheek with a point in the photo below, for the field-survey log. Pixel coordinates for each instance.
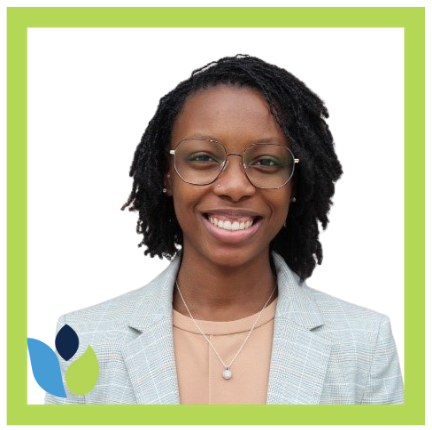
(281, 203)
(280, 209)
(184, 199)
(282, 216)
(181, 205)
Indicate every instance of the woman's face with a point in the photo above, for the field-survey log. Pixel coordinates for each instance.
(236, 117)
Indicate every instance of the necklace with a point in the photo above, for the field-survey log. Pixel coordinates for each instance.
(227, 373)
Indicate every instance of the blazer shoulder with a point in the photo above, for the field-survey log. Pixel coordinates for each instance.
(363, 351)
(122, 303)
(115, 312)
(345, 317)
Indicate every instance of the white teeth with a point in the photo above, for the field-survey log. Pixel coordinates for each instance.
(228, 225)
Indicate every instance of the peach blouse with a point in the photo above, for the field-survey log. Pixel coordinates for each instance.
(199, 370)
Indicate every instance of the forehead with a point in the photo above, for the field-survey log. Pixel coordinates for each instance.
(228, 114)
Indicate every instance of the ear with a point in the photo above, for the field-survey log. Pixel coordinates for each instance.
(167, 181)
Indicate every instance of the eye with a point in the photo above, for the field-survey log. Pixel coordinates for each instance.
(203, 161)
(266, 162)
(202, 158)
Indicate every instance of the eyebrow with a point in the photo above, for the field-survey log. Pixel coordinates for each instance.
(200, 136)
(252, 142)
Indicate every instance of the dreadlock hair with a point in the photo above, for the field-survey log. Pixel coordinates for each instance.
(300, 114)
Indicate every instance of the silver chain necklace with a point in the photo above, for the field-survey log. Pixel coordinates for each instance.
(227, 373)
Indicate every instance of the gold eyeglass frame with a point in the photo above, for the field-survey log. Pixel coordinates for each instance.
(225, 163)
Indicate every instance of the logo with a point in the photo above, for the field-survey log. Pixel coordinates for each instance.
(81, 376)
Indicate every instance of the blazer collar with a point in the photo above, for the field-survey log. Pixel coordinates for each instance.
(155, 303)
(294, 303)
(299, 356)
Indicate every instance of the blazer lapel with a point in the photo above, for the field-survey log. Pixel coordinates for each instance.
(299, 356)
(149, 358)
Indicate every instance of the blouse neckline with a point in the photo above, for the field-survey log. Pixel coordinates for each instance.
(220, 328)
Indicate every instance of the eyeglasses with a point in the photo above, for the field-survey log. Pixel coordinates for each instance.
(201, 161)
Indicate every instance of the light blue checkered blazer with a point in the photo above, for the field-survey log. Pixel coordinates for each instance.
(325, 350)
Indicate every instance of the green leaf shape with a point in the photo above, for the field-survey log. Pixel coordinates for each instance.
(83, 373)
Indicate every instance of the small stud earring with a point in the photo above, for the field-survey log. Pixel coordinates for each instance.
(293, 199)
(164, 190)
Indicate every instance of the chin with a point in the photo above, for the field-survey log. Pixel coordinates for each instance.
(232, 258)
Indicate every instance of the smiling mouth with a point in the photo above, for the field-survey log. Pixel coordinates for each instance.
(242, 223)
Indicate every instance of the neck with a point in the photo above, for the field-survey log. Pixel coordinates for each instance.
(220, 293)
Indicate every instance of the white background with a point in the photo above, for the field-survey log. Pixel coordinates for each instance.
(91, 95)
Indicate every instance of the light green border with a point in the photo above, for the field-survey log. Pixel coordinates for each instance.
(411, 19)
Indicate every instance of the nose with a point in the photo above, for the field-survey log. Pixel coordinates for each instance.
(233, 183)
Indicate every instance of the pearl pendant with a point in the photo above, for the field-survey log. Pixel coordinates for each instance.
(227, 374)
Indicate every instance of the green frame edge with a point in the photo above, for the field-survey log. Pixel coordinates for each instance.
(413, 22)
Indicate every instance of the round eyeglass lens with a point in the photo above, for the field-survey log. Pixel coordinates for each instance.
(268, 165)
(199, 161)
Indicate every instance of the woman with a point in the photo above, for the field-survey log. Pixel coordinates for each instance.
(231, 178)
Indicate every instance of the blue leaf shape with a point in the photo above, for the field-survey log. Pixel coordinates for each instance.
(46, 367)
(67, 342)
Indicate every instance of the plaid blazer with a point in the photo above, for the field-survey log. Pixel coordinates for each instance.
(325, 350)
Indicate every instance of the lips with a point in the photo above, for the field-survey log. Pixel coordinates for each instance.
(241, 223)
(232, 226)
